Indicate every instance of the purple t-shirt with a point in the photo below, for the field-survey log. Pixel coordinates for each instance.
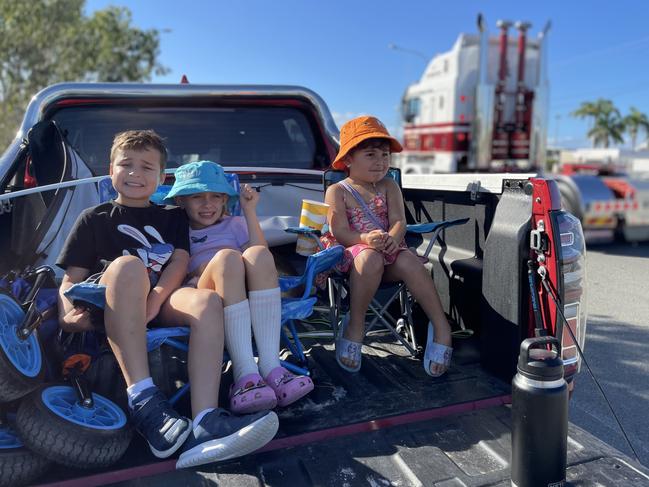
(231, 232)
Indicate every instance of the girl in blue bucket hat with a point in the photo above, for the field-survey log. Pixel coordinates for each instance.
(230, 255)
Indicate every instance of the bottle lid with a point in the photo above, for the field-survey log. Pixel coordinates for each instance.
(536, 362)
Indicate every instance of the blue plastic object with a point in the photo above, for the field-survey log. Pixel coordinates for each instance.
(89, 292)
(106, 190)
(315, 264)
(302, 307)
(159, 336)
(25, 355)
(8, 438)
(103, 415)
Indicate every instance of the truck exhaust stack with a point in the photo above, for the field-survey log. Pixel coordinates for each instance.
(519, 147)
(500, 146)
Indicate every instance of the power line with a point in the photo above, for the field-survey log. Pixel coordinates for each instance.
(619, 91)
(617, 47)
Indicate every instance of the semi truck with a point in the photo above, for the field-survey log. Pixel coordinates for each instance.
(388, 424)
(483, 106)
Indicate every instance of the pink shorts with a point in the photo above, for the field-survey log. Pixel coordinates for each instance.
(352, 252)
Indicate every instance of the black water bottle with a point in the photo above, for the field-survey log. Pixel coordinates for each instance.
(539, 416)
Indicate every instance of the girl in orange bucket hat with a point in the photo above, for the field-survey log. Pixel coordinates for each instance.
(367, 216)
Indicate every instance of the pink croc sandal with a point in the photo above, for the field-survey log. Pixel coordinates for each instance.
(288, 387)
(251, 394)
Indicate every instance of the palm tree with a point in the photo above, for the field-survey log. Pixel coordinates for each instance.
(606, 121)
(634, 122)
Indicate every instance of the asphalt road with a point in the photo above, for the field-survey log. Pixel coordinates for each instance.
(617, 348)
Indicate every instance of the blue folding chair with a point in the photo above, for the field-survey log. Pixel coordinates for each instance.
(93, 295)
(402, 326)
(292, 309)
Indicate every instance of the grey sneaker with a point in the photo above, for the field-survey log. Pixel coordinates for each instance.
(221, 436)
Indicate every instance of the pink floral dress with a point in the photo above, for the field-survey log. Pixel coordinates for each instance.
(360, 222)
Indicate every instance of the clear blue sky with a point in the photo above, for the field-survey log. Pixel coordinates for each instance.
(339, 48)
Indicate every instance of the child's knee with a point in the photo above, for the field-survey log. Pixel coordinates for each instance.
(256, 251)
(369, 262)
(259, 256)
(228, 258)
(126, 268)
(410, 262)
(207, 304)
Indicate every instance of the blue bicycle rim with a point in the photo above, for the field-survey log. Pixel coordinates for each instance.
(25, 355)
(8, 438)
(63, 401)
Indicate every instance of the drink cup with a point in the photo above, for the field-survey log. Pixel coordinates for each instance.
(313, 215)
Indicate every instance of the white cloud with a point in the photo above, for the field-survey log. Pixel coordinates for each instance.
(342, 117)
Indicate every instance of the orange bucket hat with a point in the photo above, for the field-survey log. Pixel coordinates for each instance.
(356, 131)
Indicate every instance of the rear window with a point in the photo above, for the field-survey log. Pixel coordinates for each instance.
(266, 136)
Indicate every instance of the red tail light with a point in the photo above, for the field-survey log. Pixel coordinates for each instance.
(563, 261)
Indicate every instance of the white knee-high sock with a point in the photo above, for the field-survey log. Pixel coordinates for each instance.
(266, 316)
(238, 339)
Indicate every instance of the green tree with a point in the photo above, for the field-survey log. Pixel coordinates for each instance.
(49, 41)
(634, 122)
(606, 123)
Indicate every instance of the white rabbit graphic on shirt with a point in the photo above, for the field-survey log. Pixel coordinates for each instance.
(154, 256)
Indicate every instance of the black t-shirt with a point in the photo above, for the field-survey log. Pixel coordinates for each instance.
(110, 230)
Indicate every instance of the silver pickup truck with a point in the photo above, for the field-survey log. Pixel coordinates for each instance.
(390, 424)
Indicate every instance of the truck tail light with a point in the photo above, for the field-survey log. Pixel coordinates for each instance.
(572, 264)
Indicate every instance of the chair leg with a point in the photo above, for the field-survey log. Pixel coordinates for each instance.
(335, 303)
(406, 303)
(379, 312)
(295, 347)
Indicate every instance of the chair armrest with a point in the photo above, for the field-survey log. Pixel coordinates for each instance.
(420, 228)
(307, 232)
(303, 231)
(435, 228)
(289, 282)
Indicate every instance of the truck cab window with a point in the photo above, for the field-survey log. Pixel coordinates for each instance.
(266, 136)
(411, 107)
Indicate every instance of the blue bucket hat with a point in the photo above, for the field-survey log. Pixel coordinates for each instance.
(201, 177)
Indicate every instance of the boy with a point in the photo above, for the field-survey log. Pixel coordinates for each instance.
(146, 248)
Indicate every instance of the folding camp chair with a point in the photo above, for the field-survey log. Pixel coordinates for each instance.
(93, 295)
(401, 326)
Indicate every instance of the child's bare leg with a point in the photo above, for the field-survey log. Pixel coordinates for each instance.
(127, 286)
(409, 269)
(365, 276)
(261, 272)
(225, 273)
(201, 309)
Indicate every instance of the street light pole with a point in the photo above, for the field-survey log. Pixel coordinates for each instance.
(414, 52)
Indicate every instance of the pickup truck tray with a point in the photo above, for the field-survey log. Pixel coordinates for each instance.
(390, 424)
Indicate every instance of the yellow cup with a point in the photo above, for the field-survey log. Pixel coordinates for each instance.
(313, 215)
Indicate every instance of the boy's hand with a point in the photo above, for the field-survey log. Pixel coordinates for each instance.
(153, 304)
(248, 197)
(375, 239)
(77, 320)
